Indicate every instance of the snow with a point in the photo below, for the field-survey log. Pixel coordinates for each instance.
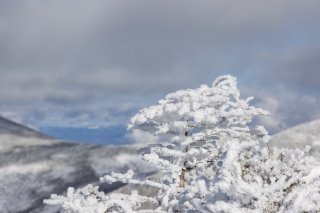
(25, 169)
(9, 141)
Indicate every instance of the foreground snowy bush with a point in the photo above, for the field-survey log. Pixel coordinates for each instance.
(214, 160)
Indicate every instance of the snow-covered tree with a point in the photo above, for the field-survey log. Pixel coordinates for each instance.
(213, 159)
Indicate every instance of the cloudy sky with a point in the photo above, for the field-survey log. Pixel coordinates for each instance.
(88, 63)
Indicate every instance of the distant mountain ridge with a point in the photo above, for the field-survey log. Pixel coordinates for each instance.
(33, 166)
(12, 128)
(111, 134)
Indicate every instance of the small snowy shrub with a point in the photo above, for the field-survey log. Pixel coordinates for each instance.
(214, 160)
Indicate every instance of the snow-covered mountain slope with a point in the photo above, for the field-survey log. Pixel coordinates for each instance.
(300, 136)
(32, 168)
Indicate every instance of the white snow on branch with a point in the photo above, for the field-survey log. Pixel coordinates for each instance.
(214, 160)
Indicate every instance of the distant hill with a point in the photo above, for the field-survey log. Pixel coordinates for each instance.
(299, 136)
(33, 166)
(12, 128)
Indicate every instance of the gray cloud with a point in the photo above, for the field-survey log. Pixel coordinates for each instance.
(303, 69)
(60, 53)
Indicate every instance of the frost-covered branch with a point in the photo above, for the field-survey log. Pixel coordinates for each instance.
(214, 160)
(128, 178)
